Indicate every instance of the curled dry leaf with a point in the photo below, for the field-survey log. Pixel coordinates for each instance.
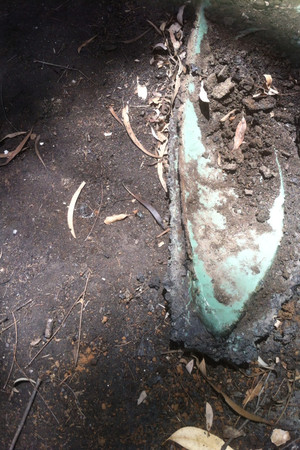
(269, 80)
(209, 415)
(203, 94)
(12, 135)
(148, 206)
(263, 364)
(71, 208)
(85, 43)
(280, 437)
(180, 15)
(160, 46)
(239, 134)
(163, 26)
(114, 114)
(175, 35)
(131, 134)
(21, 380)
(193, 438)
(189, 366)
(115, 218)
(160, 170)
(10, 155)
(154, 26)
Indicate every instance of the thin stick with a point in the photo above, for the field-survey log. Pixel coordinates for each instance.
(130, 41)
(224, 446)
(39, 394)
(22, 306)
(97, 217)
(164, 232)
(287, 401)
(79, 332)
(80, 320)
(56, 331)
(15, 351)
(60, 67)
(26, 412)
(11, 325)
(37, 150)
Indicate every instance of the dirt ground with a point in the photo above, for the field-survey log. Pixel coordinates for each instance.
(110, 340)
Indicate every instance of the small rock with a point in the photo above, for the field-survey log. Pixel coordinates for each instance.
(140, 277)
(266, 151)
(154, 282)
(223, 89)
(210, 82)
(286, 154)
(229, 167)
(284, 117)
(246, 84)
(280, 437)
(264, 104)
(262, 216)
(223, 74)
(256, 143)
(266, 172)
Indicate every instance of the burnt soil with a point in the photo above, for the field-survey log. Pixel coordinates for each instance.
(122, 324)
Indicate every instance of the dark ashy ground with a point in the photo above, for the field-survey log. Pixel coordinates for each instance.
(125, 327)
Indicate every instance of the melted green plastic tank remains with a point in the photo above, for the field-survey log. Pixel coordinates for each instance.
(230, 274)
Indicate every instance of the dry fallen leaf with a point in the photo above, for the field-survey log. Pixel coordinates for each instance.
(209, 415)
(148, 206)
(141, 90)
(239, 133)
(269, 80)
(10, 155)
(114, 114)
(85, 43)
(193, 438)
(201, 365)
(174, 31)
(224, 118)
(237, 408)
(161, 153)
(142, 397)
(115, 218)
(263, 364)
(131, 134)
(12, 135)
(280, 437)
(71, 208)
(189, 366)
(160, 46)
(203, 94)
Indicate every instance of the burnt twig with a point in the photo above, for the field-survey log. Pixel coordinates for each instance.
(80, 320)
(15, 351)
(26, 412)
